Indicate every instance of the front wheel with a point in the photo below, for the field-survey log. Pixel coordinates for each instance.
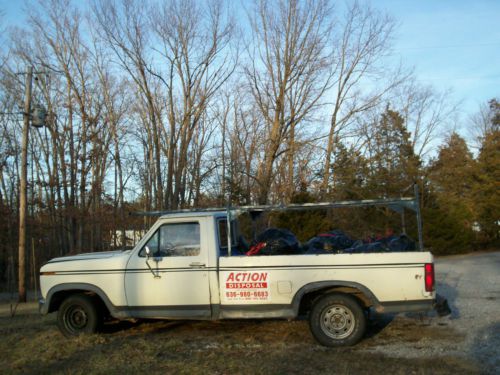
(78, 315)
(337, 320)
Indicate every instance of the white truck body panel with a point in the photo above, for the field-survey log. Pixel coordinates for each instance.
(389, 276)
(99, 269)
(182, 281)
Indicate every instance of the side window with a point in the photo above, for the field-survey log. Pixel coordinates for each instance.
(179, 239)
(152, 244)
(222, 232)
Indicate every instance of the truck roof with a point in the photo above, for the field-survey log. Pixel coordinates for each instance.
(188, 214)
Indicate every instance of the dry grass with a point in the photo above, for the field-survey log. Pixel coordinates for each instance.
(31, 343)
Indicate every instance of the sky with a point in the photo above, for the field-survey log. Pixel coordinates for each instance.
(451, 44)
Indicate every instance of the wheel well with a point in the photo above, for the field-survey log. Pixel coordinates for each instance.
(58, 298)
(308, 299)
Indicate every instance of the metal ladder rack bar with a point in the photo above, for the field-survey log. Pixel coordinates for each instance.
(409, 203)
(396, 204)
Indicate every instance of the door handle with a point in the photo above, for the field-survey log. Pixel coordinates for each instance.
(197, 265)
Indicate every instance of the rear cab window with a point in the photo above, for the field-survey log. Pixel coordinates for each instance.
(222, 234)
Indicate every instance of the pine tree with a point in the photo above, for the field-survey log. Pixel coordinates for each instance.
(449, 211)
(394, 165)
(392, 169)
(487, 185)
(451, 174)
(495, 112)
(349, 171)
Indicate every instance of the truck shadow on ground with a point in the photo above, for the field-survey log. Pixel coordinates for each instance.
(157, 326)
(450, 293)
(141, 325)
(376, 323)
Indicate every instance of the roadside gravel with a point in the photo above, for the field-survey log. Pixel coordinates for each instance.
(471, 283)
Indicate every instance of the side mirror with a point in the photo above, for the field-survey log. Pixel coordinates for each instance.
(156, 274)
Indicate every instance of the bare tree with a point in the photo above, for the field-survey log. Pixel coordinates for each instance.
(115, 102)
(483, 122)
(288, 73)
(246, 141)
(176, 76)
(3, 57)
(60, 29)
(126, 29)
(72, 153)
(361, 42)
(194, 45)
(427, 113)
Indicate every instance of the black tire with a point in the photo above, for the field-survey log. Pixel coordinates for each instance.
(78, 314)
(337, 320)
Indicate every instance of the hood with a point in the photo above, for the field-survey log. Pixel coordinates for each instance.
(89, 256)
(106, 260)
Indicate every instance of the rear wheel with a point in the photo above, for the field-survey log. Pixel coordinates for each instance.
(78, 315)
(337, 320)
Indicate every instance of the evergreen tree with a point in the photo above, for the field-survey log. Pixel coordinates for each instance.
(487, 184)
(449, 211)
(349, 171)
(495, 112)
(394, 167)
(451, 173)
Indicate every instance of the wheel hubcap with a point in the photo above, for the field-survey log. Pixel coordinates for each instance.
(76, 318)
(337, 321)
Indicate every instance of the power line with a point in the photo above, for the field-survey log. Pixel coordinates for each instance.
(476, 78)
(448, 46)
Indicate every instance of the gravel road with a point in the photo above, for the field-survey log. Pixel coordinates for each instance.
(471, 283)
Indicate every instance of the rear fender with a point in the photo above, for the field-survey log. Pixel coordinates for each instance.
(365, 295)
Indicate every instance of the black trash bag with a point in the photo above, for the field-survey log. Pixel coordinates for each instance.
(384, 240)
(360, 247)
(339, 239)
(401, 243)
(275, 241)
(333, 242)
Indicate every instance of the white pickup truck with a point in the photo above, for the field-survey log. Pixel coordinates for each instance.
(181, 270)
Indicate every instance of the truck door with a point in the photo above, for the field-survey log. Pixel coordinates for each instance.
(173, 280)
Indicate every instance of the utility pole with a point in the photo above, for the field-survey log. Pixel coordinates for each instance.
(23, 189)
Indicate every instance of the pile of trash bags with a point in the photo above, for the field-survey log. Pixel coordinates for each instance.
(333, 242)
(275, 241)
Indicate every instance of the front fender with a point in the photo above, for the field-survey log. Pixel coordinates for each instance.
(50, 303)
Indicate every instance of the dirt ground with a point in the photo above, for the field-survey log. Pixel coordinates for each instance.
(467, 342)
